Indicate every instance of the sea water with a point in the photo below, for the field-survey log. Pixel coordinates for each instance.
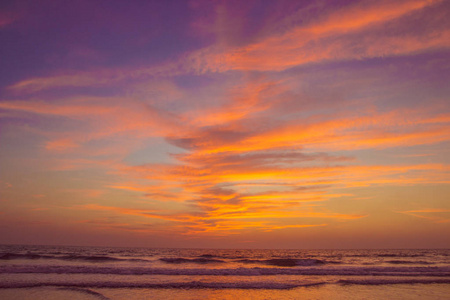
(58, 272)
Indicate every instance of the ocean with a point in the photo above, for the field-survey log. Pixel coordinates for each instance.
(62, 272)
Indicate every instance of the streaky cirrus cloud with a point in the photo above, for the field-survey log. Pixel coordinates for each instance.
(358, 31)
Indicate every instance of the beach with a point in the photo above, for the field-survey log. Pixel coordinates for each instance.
(398, 291)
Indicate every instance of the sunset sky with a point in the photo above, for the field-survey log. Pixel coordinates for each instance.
(230, 124)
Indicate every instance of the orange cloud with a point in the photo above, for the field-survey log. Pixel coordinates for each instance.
(251, 98)
(377, 130)
(219, 217)
(129, 211)
(225, 188)
(360, 15)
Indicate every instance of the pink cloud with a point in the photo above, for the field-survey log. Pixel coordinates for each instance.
(61, 145)
(332, 37)
(7, 18)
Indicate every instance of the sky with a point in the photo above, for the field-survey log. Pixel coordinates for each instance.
(225, 124)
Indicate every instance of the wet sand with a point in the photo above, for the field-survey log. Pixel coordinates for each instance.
(332, 291)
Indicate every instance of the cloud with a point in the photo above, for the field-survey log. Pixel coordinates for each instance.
(224, 188)
(5, 185)
(245, 161)
(264, 148)
(354, 32)
(244, 101)
(221, 222)
(6, 18)
(68, 110)
(351, 131)
(61, 145)
(75, 80)
(436, 215)
(121, 210)
(84, 124)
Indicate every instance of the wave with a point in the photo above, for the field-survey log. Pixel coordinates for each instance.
(213, 285)
(358, 271)
(181, 260)
(9, 256)
(278, 262)
(408, 262)
(399, 255)
(168, 285)
(98, 258)
(208, 256)
(88, 258)
(394, 281)
(84, 290)
(285, 262)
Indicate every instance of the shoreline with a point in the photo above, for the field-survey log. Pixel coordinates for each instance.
(325, 291)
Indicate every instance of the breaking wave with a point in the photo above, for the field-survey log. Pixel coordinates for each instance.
(285, 262)
(360, 271)
(211, 285)
(87, 258)
(278, 262)
(84, 290)
(408, 262)
(168, 285)
(181, 260)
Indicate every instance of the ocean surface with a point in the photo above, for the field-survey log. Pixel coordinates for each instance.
(58, 272)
